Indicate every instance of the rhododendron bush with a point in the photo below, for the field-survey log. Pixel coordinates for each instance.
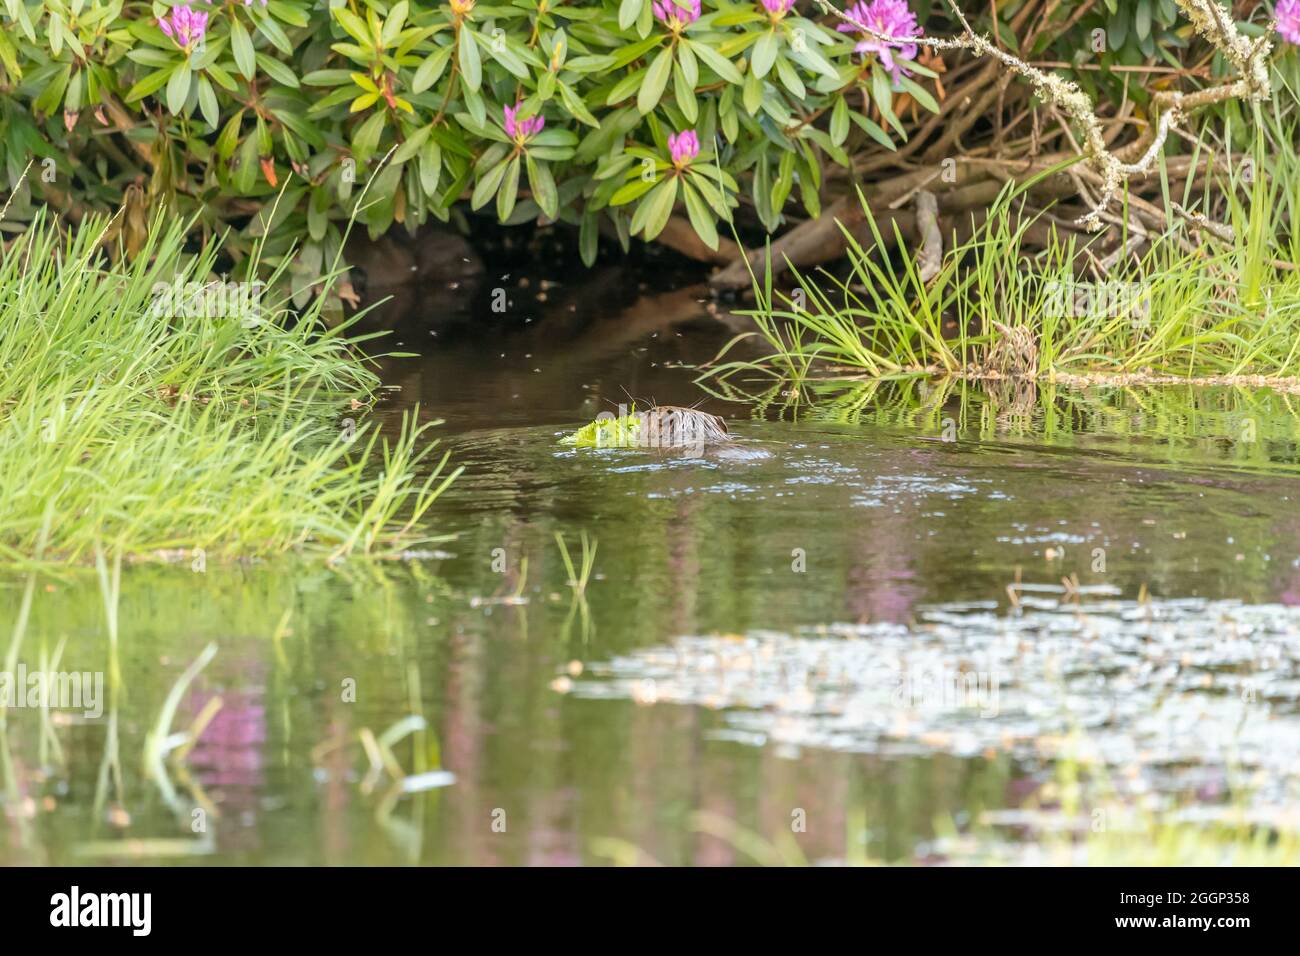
(274, 117)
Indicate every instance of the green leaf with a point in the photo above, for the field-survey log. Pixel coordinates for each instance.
(152, 83)
(222, 78)
(487, 185)
(839, 121)
(715, 61)
(730, 121)
(430, 168)
(477, 108)
(764, 54)
(509, 190)
(656, 79)
(542, 184)
(631, 191)
(784, 181)
(920, 94)
(229, 137)
(317, 216)
(245, 177)
(574, 104)
(752, 96)
(277, 71)
(353, 25)
(872, 129)
(366, 137)
(272, 31)
(431, 70)
(812, 58)
(502, 53)
(701, 219)
(393, 24)
(588, 237)
(628, 11)
(790, 78)
(882, 92)
(706, 183)
(208, 103)
(241, 45)
(327, 78)
(684, 95)
(471, 66)
(624, 87)
(689, 65)
(412, 145)
(655, 209)
(178, 89)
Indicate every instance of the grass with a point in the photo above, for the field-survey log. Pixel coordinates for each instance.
(1195, 305)
(142, 431)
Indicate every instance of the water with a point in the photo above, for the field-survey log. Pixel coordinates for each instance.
(813, 627)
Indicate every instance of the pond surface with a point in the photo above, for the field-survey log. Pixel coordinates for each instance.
(880, 619)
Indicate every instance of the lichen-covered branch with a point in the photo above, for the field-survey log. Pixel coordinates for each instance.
(1209, 20)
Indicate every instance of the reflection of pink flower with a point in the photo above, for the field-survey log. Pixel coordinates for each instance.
(677, 13)
(890, 18)
(779, 8)
(684, 147)
(186, 26)
(229, 751)
(521, 128)
(1288, 20)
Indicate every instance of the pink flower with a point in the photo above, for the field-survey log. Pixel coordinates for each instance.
(522, 128)
(676, 13)
(249, 3)
(890, 18)
(186, 26)
(1288, 20)
(684, 147)
(778, 8)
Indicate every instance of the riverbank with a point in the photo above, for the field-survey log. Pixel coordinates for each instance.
(151, 412)
(1172, 295)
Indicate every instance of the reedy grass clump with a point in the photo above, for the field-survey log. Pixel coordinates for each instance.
(1194, 304)
(141, 430)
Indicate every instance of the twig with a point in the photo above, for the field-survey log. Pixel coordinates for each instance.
(929, 257)
(1217, 229)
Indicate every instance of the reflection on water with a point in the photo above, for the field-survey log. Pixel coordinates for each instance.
(800, 623)
(1170, 696)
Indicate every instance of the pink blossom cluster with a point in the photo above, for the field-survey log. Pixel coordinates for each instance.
(888, 18)
(1288, 20)
(677, 13)
(520, 128)
(185, 27)
(683, 147)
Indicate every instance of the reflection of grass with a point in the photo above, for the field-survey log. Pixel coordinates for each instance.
(1087, 824)
(155, 431)
(1097, 831)
(1240, 423)
(578, 578)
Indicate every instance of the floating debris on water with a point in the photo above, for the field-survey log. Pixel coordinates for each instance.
(1161, 693)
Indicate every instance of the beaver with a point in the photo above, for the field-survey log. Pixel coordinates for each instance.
(661, 426)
